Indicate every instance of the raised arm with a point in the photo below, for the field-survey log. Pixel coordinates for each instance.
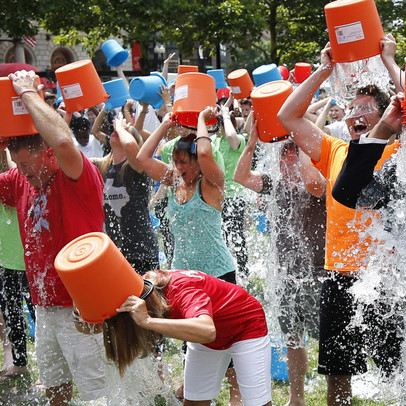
(243, 173)
(51, 126)
(139, 121)
(97, 126)
(232, 137)
(153, 167)
(292, 114)
(165, 68)
(120, 74)
(208, 165)
(312, 110)
(388, 46)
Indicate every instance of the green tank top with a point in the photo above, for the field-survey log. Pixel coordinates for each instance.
(11, 248)
(199, 244)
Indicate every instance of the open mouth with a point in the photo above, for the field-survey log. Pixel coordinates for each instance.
(359, 128)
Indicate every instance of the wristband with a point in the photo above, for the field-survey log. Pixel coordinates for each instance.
(168, 105)
(26, 91)
(203, 137)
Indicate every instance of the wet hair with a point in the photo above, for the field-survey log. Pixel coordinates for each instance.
(80, 123)
(382, 99)
(185, 144)
(246, 101)
(125, 340)
(32, 142)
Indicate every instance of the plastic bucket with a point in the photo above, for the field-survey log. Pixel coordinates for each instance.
(80, 85)
(218, 76)
(279, 368)
(354, 29)
(117, 92)
(223, 93)
(59, 98)
(187, 68)
(116, 55)
(267, 101)
(145, 89)
(193, 93)
(266, 73)
(15, 118)
(284, 71)
(97, 276)
(241, 83)
(301, 72)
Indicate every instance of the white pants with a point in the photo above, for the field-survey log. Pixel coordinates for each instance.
(64, 354)
(205, 369)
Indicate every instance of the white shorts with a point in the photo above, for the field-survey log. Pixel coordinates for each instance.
(205, 369)
(64, 354)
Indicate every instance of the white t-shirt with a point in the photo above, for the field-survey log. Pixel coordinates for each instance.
(339, 130)
(93, 149)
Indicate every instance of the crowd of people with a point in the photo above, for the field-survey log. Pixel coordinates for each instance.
(99, 170)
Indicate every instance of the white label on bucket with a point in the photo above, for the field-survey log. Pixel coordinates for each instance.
(181, 93)
(235, 89)
(18, 106)
(349, 32)
(72, 91)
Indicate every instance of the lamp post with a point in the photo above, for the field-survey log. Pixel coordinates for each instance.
(159, 50)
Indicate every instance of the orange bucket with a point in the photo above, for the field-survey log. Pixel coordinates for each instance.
(193, 93)
(15, 118)
(97, 276)
(354, 29)
(267, 100)
(187, 68)
(80, 85)
(241, 83)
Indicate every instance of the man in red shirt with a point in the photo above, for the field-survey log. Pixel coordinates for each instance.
(58, 196)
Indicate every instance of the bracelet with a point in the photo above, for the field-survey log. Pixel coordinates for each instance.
(168, 105)
(203, 137)
(26, 91)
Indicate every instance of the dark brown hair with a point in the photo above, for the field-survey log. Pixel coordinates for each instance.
(125, 340)
(32, 142)
(381, 98)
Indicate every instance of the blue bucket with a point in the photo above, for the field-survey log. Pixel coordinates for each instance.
(266, 73)
(30, 322)
(116, 55)
(118, 93)
(279, 369)
(59, 97)
(218, 75)
(145, 89)
(262, 222)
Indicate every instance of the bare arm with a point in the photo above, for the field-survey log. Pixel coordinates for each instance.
(128, 111)
(388, 47)
(312, 110)
(51, 126)
(231, 134)
(97, 125)
(128, 143)
(139, 121)
(166, 65)
(314, 181)
(243, 173)
(199, 329)
(305, 133)
(208, 165)
(153, 167)
(321, 119)
(120, 74)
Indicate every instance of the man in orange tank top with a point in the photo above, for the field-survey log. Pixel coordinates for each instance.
(343, 344)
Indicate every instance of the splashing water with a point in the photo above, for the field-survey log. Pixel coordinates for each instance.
(346, 78)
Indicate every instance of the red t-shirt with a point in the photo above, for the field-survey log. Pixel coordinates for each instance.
(236, 314)
(50, 217)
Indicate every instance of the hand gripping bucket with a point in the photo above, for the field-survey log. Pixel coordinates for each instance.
(193, 93)
(97, 276)
(80, 85)
(301, 72)
(15, 118)
(187, 68)
(115, 54)
(218, 75)
(267, 101)
(354, 29)
(117, 92)
(145, 89)
(266, 73)
(241, 83)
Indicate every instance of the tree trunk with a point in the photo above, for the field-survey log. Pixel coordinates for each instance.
(19, 54)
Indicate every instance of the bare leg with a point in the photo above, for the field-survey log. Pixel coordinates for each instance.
(7, 353)
(60, 395)
(297, 367)
(339, 390)
(235, 395)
